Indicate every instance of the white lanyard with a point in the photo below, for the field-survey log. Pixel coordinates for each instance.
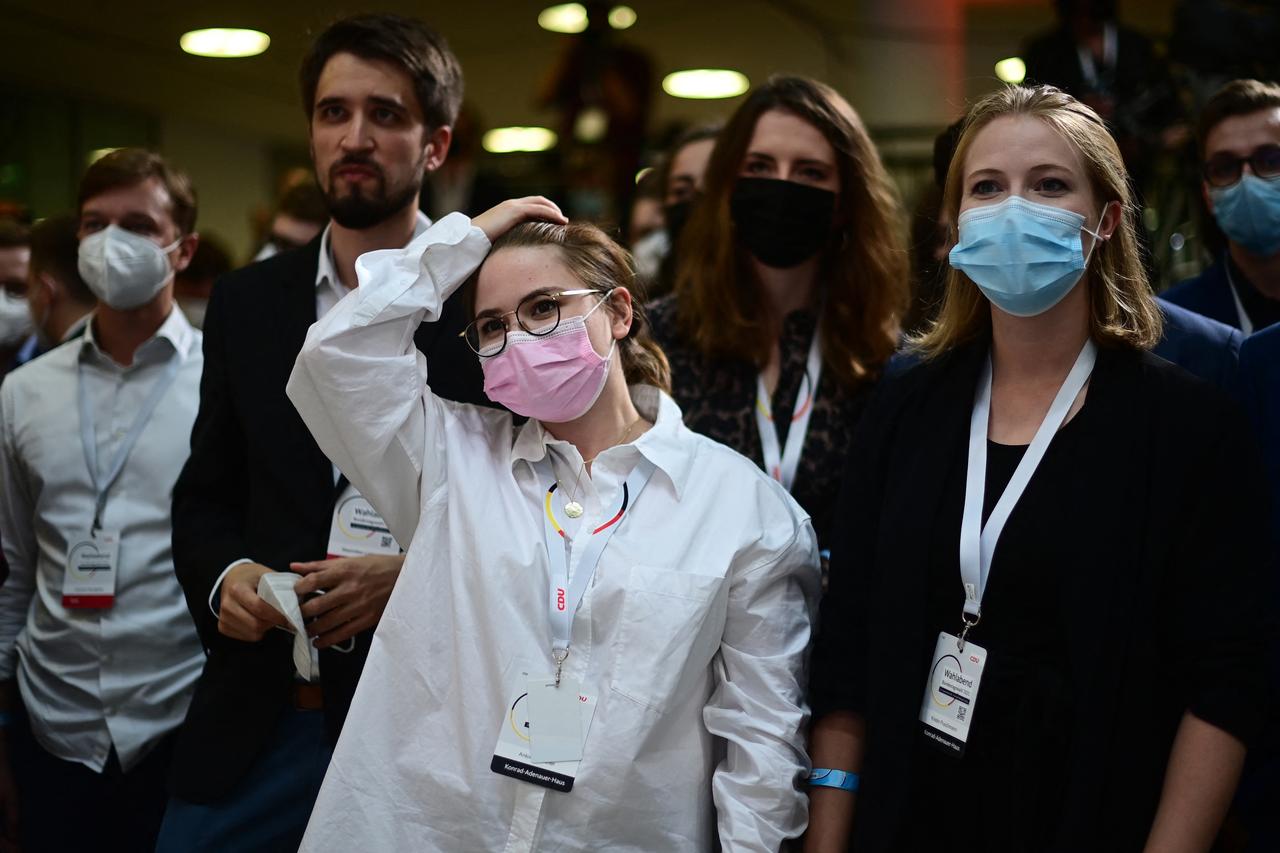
(566, 595)
(978, 542)
(88, 436)
(1246, 325)
(781, 464)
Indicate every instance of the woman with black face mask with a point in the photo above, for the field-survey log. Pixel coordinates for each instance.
(791, 281)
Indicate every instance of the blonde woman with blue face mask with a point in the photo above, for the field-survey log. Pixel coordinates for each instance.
(598, 638)
(1042, 631)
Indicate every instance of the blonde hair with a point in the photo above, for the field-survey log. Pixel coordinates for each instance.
(601, 265)
(1122, 307)
(721, 306)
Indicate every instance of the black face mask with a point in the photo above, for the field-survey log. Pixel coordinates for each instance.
(782, 223)
(676, 215)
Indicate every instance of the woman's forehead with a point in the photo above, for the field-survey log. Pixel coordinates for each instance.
(508, 275)
(1016, 144)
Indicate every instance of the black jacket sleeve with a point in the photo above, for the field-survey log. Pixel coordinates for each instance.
(1215, 624)
(209, 497)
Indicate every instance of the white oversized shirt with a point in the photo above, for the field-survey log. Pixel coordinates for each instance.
(123, 675)
(692, 637)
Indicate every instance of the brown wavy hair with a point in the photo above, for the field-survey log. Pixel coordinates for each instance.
(1122, 308)
(720, 304)
(600, 264)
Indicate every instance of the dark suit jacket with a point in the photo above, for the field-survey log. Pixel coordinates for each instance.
(1260, 387)
(1203, 347)
(1208, 294)
(256, 486)
(1165, 615)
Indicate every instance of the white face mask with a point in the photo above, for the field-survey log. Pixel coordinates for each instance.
(123, 269)
(15, 319)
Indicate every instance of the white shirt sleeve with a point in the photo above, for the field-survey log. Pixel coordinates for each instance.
(758, 705)
(17, 531)
(360, 384)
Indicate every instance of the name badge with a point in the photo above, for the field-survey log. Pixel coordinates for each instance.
(537, 705)
(90, 578)
(951, 693)
(357, 530)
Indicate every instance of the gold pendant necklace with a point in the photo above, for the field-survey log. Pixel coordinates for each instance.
(572, 508)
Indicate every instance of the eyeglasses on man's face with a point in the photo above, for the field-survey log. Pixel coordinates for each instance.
(1223, 170)
(538, 314)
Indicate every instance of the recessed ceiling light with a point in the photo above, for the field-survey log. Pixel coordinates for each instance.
(224, 42)
(622, 17)
(564, 18)
(1011, 70)
(573, 18)
(506, 140)
(705, 83)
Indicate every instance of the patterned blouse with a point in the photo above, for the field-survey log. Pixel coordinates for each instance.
(718, 400)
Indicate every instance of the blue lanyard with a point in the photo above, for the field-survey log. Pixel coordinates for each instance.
(88, 436)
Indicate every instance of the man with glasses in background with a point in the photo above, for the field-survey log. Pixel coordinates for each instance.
(1240, 148)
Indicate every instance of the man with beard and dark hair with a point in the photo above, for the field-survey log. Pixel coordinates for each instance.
(263, 524)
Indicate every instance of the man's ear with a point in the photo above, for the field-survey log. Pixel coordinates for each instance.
(185, 252)
(1208, 199)
(437, 147)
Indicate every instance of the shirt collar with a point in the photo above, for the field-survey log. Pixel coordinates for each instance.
(665, 444)
(325, 273)
(174, 335)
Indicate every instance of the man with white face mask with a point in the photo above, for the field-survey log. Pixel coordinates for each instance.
(59, 300)
(15, 324)
(94, 628)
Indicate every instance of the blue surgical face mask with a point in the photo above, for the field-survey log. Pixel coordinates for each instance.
(1248, 212)
(1024, 257)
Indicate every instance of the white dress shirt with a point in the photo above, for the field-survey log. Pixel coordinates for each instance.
(692, 636)
(122, 675)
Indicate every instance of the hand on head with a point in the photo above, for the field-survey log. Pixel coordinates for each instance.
(502, 218)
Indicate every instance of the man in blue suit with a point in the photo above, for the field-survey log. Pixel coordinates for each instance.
(1260, 387)
(1240, 148)
(1201, 346)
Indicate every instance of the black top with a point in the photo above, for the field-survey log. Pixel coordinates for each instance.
(1123, 592)
(257, 486)
(718, 397)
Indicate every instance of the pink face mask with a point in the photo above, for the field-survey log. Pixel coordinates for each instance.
(554, 378)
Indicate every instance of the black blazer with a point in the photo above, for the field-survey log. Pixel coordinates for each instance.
(1166, 616)
(256, 486)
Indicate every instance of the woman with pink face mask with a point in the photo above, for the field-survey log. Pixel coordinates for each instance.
(598, 637)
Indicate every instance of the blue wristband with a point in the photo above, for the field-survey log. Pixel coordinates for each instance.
(821, 777)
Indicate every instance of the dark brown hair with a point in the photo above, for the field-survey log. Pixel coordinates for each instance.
(407, 42)
(721, 305)
(600, 264)
(127, 167)
(1237, 98)
(13, 235)
(55, 249)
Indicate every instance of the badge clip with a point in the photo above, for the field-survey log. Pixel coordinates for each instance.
(968, 625)
(559, 655)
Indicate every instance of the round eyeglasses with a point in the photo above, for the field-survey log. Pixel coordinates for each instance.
(1223, 170)
(538, 314)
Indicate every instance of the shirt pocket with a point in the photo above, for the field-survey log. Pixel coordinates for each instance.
(670, 627)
